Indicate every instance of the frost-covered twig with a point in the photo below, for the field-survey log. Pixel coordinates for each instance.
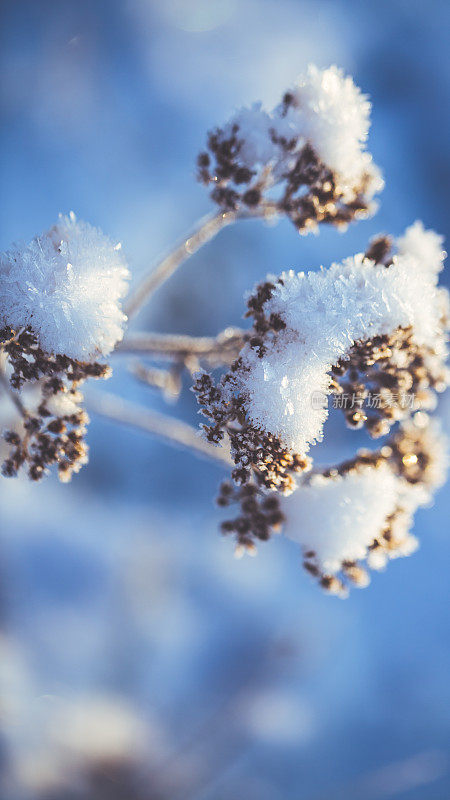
(206, 229)
(221, 349)
(167, 380)
(172, 431)
(60, 316)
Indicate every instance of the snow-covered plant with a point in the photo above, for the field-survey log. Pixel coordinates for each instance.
(358, 511)
(362, 511)
(60, 316)
(367, 336)
(371, 334)
(306, 158)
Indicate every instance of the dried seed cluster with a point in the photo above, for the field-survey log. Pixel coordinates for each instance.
(309, 193)
(380, 379)
(418, 453)
(386, 378)
(379, 382)
(306, 158)
(53, 432)
(388, 367)
(257, 454)
(259, 515)
(373, 384)
(417, 458)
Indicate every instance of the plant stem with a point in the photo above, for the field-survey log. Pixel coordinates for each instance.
(204, 232)
(167, 380)
(221, 349)
(172, 431)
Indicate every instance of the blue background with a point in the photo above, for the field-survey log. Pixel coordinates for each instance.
(119, 583)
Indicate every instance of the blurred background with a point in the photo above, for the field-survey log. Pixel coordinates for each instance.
(138, 659)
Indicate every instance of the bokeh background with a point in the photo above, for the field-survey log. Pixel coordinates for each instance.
(130, 637)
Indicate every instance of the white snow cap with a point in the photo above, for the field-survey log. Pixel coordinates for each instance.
(427, 247)
(339, 518)
(330, 113)
(66, 285)
(325, 313)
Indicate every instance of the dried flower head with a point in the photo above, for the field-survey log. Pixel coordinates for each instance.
(65, 286)
(60, 312)
(352, 517)
(257, 454)
(306, 158)
(359, 515)
(53, 422)
(374, 326)
(258, 515)
(370, 334)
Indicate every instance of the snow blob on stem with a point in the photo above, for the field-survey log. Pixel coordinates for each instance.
(59, 313)
(352, 517)
(307, 158)
(371, 331)
(359, 515)
(65, 286)
(369, 335)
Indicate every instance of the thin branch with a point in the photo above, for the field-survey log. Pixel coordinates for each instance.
(204, 232)
(167, 380)
(222, 349)
(172, 431)
(174, 344)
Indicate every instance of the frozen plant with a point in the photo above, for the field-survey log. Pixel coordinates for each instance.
(306, 158)
(359, 515)
(368, 336)
(360, 330)
(60, 316)
(358, 511)
(65, 286)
